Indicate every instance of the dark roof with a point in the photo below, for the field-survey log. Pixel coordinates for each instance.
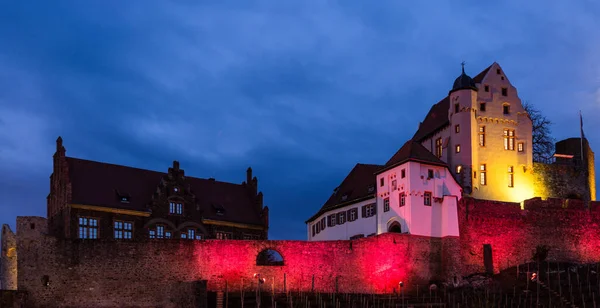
(479, 77)
(355, 187)
(463, 81)
(437, 118)
(96, 183)
(412, 151)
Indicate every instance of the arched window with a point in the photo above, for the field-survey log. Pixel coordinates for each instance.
(395, 227)
(269, 257)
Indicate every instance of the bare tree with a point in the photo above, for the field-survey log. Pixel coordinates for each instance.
(543, 143)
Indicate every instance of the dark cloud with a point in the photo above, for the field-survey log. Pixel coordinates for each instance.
(301, 91)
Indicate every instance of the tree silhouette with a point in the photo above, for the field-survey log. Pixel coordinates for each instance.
(542, 141)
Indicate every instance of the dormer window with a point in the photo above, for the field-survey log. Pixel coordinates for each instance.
(219, 209)
(344, 197)
(371, 188)
(125, 199)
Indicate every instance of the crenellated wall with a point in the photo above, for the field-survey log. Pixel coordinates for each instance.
(59, 272)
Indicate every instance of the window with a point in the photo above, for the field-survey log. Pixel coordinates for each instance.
(168, 234)
(509, 139)
(152, 233)
(386, 204)
(457, 148)
(344, 197)
(402, 199)
(506, 109)
(314, 230)
(228, 235)
(352, 214)
(323, 223)
(176, 189)
(486, 88)
(368, 210)
(381, 182)
(481, 106)
(481, 136)
(88, 228)
(342, 217)
(458, 168)
(427, 198)
(331, 220)
(498, 71)
(511, 176)
(394, 185)
(371, 188)
(438, 147)
(160, 231)
(504, 91)
(457, 128)
(123, 229)
(198, 236)
(125, 199)
(175, 208)
(456, 108)
(430, 174)
(403, 173)
(520, 147)
(482, 173)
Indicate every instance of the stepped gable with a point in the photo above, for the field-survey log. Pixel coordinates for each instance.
(98, 184)
(355, 187)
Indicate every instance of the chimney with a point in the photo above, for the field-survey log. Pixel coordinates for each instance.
(249, 175)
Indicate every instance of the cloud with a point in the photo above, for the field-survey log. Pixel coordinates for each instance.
(301, 90)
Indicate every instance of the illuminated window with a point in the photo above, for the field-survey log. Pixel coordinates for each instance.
(176, 189)
(402, 199)
(160, 231)
(152, 233)
(482, 174)
(457, 148)
(123, 229)
(509, 139)
(520, 147)
(482, 106)
(88, 228)
(168, 234)
(228, 235)
(386, 204)
(175, 208)
(482, 136)
(456, 108)
(457, 128)
(403, 173)
(511, 177)
(427, 198)
(458, 168)
(506, 109)
(438, 147)
(504, 91)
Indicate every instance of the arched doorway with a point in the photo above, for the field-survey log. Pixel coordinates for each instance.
(395, 227)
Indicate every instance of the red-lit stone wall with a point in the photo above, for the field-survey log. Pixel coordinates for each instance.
(570, 231)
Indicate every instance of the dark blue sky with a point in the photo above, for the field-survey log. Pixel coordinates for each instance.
(299, 90)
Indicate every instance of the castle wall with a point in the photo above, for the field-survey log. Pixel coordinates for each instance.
(159, 272)
(8, 260)
(561, 181)
(570, 231)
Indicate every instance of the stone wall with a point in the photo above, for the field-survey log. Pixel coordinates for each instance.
(60, 272)
(571, 231)
(8, 260)
(561, 181)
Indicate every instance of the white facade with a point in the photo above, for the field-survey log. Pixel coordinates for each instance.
(345, 229)
(435, 217)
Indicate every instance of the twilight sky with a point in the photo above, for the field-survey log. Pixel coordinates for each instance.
(299, 90)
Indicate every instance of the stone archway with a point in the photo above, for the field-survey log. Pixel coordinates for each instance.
(395, 227)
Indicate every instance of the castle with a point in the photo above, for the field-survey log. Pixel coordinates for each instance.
(441, 208)
(476, 142)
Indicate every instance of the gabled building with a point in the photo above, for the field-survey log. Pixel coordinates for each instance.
(95, 200)
(414, 192)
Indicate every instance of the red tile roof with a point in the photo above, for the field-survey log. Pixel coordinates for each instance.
(355, 187)
(96, 183)
(412, 151)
